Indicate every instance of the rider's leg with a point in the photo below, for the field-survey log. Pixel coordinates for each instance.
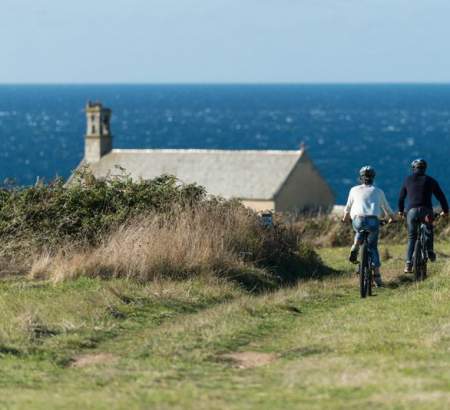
(412, 220)
(372, 241)
(357, 225)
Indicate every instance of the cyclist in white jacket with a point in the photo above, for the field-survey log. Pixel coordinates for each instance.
(365, 206)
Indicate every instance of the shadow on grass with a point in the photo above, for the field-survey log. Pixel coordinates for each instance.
(326, 272)
(305, 352)
(9, 351)
(443, 255)
(283, 273)
(402, 280)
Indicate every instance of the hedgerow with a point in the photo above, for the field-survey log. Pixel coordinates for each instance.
(116, 227)
(88, 207)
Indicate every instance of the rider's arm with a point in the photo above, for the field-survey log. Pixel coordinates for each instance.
(401, 198)
(437, 191)
(348, 207)
(386, 207)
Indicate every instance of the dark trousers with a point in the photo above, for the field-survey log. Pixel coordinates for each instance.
(414, 218)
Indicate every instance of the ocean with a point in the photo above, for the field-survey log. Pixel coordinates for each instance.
(343, 126)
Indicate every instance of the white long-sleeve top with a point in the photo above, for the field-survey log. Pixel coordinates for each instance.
(367, 200)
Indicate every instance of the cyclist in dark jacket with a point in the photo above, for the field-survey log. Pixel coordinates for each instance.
(419, 189)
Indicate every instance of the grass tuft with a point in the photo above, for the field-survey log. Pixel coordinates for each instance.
(34, 327)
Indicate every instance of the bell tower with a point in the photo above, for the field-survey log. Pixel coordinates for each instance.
(98, 140)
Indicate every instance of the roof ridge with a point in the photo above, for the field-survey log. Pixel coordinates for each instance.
(204, 151)
(229, 173)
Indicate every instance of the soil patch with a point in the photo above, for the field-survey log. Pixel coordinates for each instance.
(249, 360)
(93, 359)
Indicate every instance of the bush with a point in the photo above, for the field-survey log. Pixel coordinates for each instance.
(147, 230)
(87, 208)
(324, 231)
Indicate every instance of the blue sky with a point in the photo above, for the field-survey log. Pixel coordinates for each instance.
(224, 41)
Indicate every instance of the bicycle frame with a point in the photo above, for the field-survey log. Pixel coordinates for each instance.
(420, 255)
(365, 267)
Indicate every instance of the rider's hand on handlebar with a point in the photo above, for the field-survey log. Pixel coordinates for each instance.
(443, 214)
(401, 215)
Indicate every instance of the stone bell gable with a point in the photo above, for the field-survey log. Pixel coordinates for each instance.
(98, 140)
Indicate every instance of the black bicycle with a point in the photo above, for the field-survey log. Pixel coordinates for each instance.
(366, 265)
(366, 268)
(420, 255)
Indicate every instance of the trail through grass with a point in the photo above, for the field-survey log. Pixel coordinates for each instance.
(199, 345)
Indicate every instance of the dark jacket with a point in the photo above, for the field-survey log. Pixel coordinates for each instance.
(419, 188)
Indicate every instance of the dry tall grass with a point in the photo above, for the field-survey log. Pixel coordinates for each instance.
(14, 260)
(226, 241)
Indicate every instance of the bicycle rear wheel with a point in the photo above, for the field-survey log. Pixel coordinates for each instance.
(424, 258)
(364, 272)
(419, 265)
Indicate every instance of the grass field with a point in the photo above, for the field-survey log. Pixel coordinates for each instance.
(198, 344)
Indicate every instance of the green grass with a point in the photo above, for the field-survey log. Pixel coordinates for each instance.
(163, 344)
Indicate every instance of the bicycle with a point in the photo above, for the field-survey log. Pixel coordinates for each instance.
(366, 266)
(420, 255)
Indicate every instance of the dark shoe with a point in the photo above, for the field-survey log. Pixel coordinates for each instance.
(378, 282)
(408, 267)
(431, 256)
(353, 258)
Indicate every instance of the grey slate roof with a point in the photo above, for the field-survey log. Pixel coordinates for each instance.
(231, 174)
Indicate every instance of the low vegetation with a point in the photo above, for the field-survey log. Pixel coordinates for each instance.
(82, 212)
(223, 240)
(145, 230)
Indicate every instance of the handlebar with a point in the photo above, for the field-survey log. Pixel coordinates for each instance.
(382, 222)
(435, 217)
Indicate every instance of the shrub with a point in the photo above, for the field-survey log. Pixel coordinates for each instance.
(87, 208)
(324, 230)
(144, 230)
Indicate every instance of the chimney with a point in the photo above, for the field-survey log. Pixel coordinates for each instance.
(98, 140)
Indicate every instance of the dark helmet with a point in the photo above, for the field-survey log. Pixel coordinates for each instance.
(419, 164)
(367, 174)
